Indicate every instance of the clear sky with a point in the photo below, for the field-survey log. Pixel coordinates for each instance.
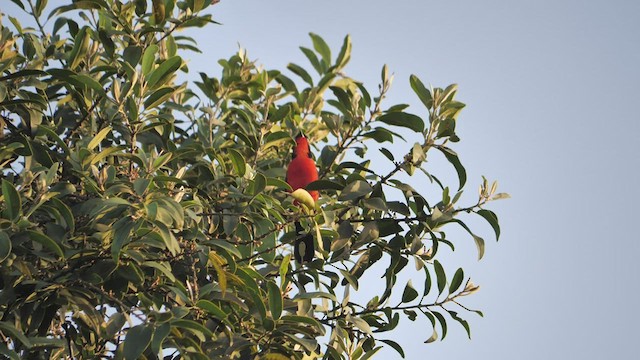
(551, 89)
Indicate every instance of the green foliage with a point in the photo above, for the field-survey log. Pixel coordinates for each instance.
(142, 216)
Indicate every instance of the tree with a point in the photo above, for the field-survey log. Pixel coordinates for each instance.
(143, 216)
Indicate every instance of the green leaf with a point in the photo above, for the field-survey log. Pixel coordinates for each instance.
(403, 119)
(352, 280)
(427, 282)
(211, 308)
(5, 246)
(275, 300)
(300, 72)
(39, 342)
(132, 55)
(453, 159)
(375, 204)
(322, 48)
(159, 334)
(423, 93)
(258, 184)
(12, 201)
(46, 241)
(387, 154)
(115, 324)
(395, 346)
(477, 239)
(225, 246)
(324, 185)
(121, 234)
(308, 344)
(410, 293)
(136, 341)
(345, 53)
(355, 190)
(90, 83)
(441, 277)
(8, 328)
(162, 73)
(238, 161)
(314, 295)
(66, 214)
(380, 135)
(158, 97)
(149, 58)
(80, 47)
(98, 138)
(276, 138)
(313, 59)
(360, 324)
(492, 219)
(456, 281)
(443, 323)
(462, 322)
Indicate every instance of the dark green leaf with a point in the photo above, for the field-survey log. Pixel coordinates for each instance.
(453, 159)
(313, 59)
(46, 241)
(387, 154)
(211, 308)
(275, 300)
(300, 72)
(443, 323)
(410, 293)
(89, 82)
(477, 239)
(132, 55)
(441, 277)
(456, 281)
(225, 246)
(8, 328)
(403, 119)
(159, 334)
(121, 235)
(12, 201)
(423, 93)
(462, 322)
(380, 135)
(136, 341)
(158, 97)
(238, 161)
(324, 185)
(427, 281)
(5, 246)
(492, 219)
(395, 346)
(80, 47)
(321, 47)
(162, 73)
(355, 190)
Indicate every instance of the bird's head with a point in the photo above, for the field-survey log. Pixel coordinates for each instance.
(302, 146)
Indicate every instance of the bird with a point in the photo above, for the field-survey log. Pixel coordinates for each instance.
(301, 172)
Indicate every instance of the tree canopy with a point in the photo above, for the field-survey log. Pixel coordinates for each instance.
(145, 212)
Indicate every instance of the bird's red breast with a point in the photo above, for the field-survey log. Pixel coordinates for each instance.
(302, 169)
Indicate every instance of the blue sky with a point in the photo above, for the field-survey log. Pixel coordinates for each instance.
(551, 93)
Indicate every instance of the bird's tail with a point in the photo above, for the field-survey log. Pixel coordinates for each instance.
(303, 247)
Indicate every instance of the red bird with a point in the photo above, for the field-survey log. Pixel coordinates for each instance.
(302, 171)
